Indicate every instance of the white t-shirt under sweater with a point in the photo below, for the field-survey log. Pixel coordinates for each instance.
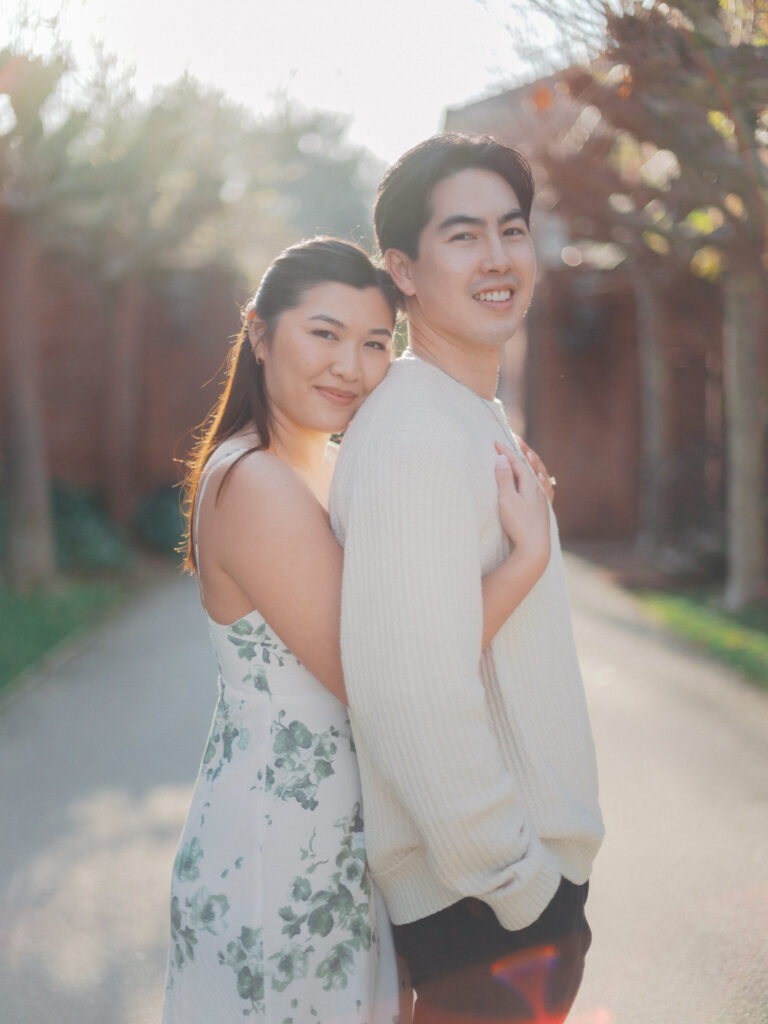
(478, 769)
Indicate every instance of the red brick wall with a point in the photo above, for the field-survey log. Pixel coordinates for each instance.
(694, 470)
(72, 342)
(190, 333)
(583, 402)
(583, 407)
(187, 322)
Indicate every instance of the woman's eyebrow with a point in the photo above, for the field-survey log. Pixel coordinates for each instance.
(342, 326)
(327, 319)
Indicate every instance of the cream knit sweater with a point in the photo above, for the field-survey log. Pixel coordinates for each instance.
(478, 771)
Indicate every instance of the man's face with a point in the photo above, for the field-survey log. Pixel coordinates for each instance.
(473, 279)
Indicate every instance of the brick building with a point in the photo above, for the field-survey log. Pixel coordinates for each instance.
(167, 383)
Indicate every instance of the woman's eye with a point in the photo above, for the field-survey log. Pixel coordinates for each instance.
(328, 335)
(380, 346)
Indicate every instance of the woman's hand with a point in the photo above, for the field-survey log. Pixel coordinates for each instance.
(523, 507)
(524, 513)
(536, 464)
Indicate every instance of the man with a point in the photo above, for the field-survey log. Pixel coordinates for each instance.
(478, 769)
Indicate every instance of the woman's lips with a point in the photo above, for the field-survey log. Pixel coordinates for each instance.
(337, 397)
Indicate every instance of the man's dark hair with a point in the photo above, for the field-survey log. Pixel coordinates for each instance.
(403, 205)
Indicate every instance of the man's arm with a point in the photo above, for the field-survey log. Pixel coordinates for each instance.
(411, 641)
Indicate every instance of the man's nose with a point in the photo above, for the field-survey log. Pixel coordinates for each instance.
(495, 255)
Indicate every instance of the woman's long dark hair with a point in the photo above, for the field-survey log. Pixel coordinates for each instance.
(243, 400)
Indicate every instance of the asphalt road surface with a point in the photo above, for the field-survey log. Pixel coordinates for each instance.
(97, 759)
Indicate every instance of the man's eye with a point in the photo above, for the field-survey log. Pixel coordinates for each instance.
(462, 236)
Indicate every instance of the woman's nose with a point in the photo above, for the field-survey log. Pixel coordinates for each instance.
(347, 362)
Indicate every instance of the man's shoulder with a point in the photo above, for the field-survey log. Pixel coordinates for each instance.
(405, 406)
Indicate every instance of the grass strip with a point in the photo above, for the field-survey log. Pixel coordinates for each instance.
(738, 638)
(31, 624)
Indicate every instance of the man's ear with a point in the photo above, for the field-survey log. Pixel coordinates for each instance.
(399, 267)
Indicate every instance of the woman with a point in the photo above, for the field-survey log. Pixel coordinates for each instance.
(273, 917)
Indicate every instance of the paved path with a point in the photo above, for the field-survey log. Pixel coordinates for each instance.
(96, 764)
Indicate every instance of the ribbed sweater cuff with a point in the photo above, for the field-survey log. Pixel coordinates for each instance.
(411, 892)
(522, 906)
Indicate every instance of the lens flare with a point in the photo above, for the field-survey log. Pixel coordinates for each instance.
(526, 973)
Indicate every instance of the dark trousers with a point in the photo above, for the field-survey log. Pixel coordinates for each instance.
(466, 968)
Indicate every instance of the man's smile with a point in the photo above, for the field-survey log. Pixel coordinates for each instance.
(495, 296)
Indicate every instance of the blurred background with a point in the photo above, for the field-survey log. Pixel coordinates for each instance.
(154, 158)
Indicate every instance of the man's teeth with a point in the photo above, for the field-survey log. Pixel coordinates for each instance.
(494, 296)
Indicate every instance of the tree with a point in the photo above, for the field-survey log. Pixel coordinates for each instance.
(129, 191)
(325, 185)
(155, 200)
(688, 85)
(193, 180)
(30, 158)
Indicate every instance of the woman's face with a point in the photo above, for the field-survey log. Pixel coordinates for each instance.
(326, 355)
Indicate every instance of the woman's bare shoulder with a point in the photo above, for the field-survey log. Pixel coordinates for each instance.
(262, 477)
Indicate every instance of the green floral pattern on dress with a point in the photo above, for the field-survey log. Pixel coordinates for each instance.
(200, 912)
(225, 736)
(254, 643)
(271, 892)
(302, 760)
(340, 906)
(245, 955)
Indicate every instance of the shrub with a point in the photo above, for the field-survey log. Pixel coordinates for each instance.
(158, 521)
(85, 536)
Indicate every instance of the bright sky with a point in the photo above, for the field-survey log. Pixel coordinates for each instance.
(392, 65)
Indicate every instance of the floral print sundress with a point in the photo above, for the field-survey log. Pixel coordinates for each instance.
(274, 919)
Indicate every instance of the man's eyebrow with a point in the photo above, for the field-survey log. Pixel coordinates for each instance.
(326, 319)
(515, 214)
(479, 222)
(460, 218)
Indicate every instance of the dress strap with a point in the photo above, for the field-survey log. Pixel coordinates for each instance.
(212, 464)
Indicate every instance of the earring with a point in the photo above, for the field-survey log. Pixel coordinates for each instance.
(259, 360)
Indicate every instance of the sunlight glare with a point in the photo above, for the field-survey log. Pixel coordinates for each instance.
(392, 68)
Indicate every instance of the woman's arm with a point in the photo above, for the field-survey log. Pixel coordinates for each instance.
(267, 544)
(524, 512)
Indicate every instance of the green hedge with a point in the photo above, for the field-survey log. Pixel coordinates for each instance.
(158, 521)
(738, 638)
(31, 624)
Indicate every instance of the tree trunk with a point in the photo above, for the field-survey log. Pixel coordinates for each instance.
(653, 412)
(746, 406)
(31, 554)
(123, 414)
